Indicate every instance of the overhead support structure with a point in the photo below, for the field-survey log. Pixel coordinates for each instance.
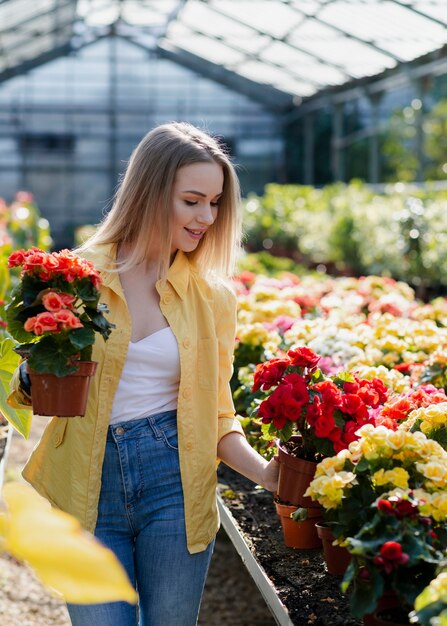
(374, 138)
(273, 99)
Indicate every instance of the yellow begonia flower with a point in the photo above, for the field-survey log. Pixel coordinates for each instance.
(436, 591)
(398, 477)
(331, 464)
(65, 558)
(436, 506)
(435, 472)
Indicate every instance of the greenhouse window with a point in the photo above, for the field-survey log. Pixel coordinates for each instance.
(60, 143)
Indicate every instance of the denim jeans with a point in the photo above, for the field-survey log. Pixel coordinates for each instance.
(141, 518)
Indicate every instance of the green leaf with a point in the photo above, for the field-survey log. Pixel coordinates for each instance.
(82, 337)
(365, 595)
(53, 357)
(343, 377)
(20, 419)
(86, 291)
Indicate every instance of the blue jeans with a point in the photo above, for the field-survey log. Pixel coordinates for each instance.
(141, 518)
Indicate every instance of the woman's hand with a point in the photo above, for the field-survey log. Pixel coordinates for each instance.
(235, 451)
(270, 475)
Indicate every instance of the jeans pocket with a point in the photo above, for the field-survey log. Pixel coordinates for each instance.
(169, 434)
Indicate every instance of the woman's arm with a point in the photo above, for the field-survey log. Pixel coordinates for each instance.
(234, 450)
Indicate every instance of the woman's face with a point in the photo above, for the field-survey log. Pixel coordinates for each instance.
(196, 193)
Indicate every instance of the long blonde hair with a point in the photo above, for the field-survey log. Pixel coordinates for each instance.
(140, 216)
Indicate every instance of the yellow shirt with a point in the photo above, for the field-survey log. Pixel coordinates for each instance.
(65, 466)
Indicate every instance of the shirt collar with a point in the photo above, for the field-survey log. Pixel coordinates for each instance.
(178, 273)
(104, 259)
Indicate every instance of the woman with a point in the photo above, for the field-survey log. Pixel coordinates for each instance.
(139, 470)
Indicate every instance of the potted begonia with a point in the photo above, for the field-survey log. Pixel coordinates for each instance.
(54, 313)
(313, 415)
(386, 498)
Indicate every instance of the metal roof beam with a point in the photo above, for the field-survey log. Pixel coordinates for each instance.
(31, 64)
(18, 25)
(272, 37)
(431, 64)
(252, 56)
(26, 39)
(173, 15)
(411, 8)
(346, 34)
(273, 99)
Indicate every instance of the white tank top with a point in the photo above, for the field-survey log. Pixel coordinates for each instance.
(150, 378)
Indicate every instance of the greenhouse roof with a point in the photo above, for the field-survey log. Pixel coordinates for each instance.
(287, 49)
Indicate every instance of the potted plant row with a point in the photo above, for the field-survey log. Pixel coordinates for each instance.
(314, 416)
(54, 313)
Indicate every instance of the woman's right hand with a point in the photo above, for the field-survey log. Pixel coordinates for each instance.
(25, 381)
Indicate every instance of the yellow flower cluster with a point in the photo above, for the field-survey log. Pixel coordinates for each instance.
(381, 445)
(257, 335)
(397, 477)
(265, 304)
(435, 594)
(394, 380)
(433, 417)
(435, 504)
(330, 490)
(331, 480)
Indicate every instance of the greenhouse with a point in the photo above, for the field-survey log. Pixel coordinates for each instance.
(126, 130)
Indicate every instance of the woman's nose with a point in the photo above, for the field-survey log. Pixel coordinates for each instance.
(206, 215)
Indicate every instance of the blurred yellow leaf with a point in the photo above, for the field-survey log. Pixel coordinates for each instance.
(65, 558)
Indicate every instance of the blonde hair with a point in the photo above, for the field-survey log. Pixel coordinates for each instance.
(141, 212)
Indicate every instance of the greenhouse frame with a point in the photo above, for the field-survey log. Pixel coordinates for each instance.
(307, 92)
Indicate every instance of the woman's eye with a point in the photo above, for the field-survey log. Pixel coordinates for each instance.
(215, 204)
(190, 202)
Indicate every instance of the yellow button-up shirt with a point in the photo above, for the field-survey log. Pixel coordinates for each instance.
(65, 466)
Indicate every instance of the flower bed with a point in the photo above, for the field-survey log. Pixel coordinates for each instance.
(375, 395)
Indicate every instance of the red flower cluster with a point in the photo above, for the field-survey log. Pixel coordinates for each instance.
(52, 322)
(391, 556)
(398, 507)
(321, 408)
(48, 266)
(58, 314)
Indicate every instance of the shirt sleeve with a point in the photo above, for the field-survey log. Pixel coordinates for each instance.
(18, 398)
(225, 318)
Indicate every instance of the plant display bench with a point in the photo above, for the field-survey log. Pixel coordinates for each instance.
(294, 583)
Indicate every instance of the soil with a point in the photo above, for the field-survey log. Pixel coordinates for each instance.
(310, 594)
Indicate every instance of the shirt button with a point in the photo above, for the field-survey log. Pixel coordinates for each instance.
(57, 439)
(167, 299)
(186, 393)
(186, 343)
(188, 445)
(119, 431)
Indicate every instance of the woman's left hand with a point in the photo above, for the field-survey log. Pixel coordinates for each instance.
(270, 475)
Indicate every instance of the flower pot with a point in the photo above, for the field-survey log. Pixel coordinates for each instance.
(394, 616)
(295, 475)
(388, 600)
(62, 396)
(337, 558)
(299, 534)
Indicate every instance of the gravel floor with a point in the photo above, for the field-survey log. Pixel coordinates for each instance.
(231, 597)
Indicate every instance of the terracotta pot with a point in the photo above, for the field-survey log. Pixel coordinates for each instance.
(295, 475)
(299, 534)
(337, 558)
(388, 600)
(64, 396)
